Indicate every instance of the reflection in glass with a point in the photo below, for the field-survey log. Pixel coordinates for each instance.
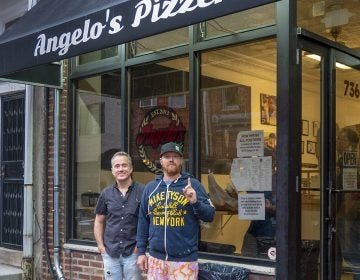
(159, 113)
(97, 55)
(97, 139)
(242, 21)
(159, 42)
(347, 197)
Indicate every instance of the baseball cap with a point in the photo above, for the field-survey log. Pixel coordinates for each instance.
(171, 147)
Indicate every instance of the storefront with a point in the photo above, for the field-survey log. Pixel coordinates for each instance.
(262, 95)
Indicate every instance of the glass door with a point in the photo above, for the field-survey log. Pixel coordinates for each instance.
(345, 198)
(311, 164)
(330, 180)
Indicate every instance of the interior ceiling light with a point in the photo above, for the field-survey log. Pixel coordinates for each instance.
(318, 58)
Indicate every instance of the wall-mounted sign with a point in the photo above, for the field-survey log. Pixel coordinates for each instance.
(159, 126)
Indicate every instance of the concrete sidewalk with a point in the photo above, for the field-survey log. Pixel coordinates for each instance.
(8, 272)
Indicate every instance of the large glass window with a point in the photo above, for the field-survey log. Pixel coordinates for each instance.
(159, 112)
(336, 20)
(159, 42)
(97, 55)
(97, 128)
(238, 144)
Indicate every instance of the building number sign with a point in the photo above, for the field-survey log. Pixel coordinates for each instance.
(351, 89)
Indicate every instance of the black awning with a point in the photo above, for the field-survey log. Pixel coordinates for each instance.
(57, 29)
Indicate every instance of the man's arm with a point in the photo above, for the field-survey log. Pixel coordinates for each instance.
(142, 234)
(99, 227)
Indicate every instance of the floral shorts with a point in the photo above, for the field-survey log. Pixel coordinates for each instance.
(167, 270)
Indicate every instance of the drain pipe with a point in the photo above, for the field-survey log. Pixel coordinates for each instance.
(57, 265)
(28, 260)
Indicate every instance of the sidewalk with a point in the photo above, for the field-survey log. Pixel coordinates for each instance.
(8, 272)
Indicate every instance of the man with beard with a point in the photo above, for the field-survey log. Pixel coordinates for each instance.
(116, 221)
(169, 220)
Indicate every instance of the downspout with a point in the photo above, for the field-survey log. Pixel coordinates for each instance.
(28, 260)
(57, 265)
(45, 186)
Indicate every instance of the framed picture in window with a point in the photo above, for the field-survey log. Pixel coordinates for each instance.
(268, 109)
(316, 126)
(311, 147)
(305, 127)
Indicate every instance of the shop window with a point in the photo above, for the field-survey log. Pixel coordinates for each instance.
(242, 21)
(97, 55)
(97, 138)
(165, 120)
(159, 42)
(238, 159)
(338, 21)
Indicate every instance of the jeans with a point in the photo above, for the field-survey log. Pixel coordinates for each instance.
(121, 268)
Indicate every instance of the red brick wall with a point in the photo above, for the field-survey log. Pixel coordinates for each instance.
(80, 265)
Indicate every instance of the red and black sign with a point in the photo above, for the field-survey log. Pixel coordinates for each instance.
(159, 126)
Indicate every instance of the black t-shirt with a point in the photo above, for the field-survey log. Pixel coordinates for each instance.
(121, 218)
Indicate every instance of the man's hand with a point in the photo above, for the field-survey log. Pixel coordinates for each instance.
(142, 263)
(102, 249)
(190, 193)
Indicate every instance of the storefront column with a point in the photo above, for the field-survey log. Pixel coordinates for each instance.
(288, 154)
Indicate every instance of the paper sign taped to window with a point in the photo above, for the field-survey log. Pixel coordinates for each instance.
(252, 174)
(252, 206)
(250, 143)
(349, 179)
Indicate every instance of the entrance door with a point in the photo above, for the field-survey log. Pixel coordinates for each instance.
(345, 198)
(12, 171)
(330, 181)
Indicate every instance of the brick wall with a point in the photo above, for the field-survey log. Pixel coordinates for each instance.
(81, 265)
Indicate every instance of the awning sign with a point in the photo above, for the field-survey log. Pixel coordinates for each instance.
(52, 31)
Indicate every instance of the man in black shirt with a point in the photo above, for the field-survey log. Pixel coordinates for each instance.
(116, 221)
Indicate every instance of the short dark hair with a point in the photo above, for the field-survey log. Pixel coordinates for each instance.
(124, 154)
(351, 135)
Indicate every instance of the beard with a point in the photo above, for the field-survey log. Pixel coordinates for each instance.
(172, 169)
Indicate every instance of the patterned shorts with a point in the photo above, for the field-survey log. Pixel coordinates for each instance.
(167, 270)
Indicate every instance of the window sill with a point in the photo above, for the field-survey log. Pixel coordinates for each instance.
(81, 248)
